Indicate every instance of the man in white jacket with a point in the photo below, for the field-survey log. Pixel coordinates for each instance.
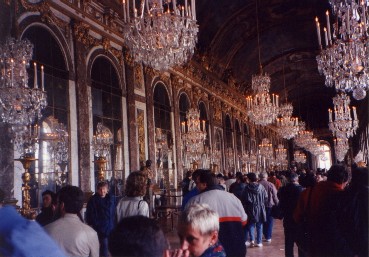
(73, 236)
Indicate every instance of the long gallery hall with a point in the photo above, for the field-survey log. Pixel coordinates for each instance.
(212, 128)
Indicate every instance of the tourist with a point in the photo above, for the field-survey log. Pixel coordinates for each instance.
(47, 214)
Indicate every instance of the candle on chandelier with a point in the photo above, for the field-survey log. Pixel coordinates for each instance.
(193, 11)
(174, 3)
(24, 74)
(348, 21)
(42, 78)
(35, 78)
(318, 32)
(354, 111)
(12, 71)
(186, 8)
(183, 126)
(182, 11)
(273, 101)
(203, 125)
(277, 100)
(328, 27)
(364, 16)
(128, 18)
(330, 115)
(325, 37)
(124, 10)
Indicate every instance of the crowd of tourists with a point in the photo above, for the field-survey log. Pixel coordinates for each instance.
(325, 213)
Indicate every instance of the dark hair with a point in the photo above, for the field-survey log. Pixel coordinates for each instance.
(52, 194)
(148, 163)
(136, 184)
(272, 173)
(359, 177)
(294, 177)
(338, 173)
(252, 177)
(206, 176)
(188, 173)
(195, 174)
(137, 236)
(102, 184)
(72, 197)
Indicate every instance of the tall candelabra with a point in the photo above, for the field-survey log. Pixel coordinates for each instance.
(342, 125)
(160, 33)
(193, 136)
(101, 143)
(21, 106)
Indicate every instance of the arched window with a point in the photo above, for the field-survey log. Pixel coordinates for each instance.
(107, 108)
(47, 52)
(164, 176)
(246, 138)
(162, 108)
(184, 105)
(228, 133)
(238, 138)
(204, 116)
(325, 160)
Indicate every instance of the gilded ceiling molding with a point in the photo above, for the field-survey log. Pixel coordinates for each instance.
(46, 15)
(138, 74)
(81, 34)
(177, 83)
(217, 110)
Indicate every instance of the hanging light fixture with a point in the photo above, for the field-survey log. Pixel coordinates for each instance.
(287, 126)
(281, 154)
(299, 157)
(266, 148)
(341, 147)
(193, 135)
(342, 125)
(20, 105)
(344, 61)
(160, 33)
(261, 108)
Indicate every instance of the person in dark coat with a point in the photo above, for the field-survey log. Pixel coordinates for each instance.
(100, 214)
(47, 214)
(346, 226)
(288, 198)
(254, 198)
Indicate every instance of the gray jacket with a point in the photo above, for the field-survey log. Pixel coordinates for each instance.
(254, 198)
(271, 193)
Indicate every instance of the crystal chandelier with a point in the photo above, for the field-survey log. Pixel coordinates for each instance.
(341, 147)
(344, 62)
(20, 105)
(287, 126)
(299, 157)
(161, 34)
(102, 141)
(193, 135)
(262, 109)
(266, 148)
(343, 125)
(280, 154)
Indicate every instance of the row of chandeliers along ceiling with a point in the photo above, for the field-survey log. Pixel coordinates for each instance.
(163, 34)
